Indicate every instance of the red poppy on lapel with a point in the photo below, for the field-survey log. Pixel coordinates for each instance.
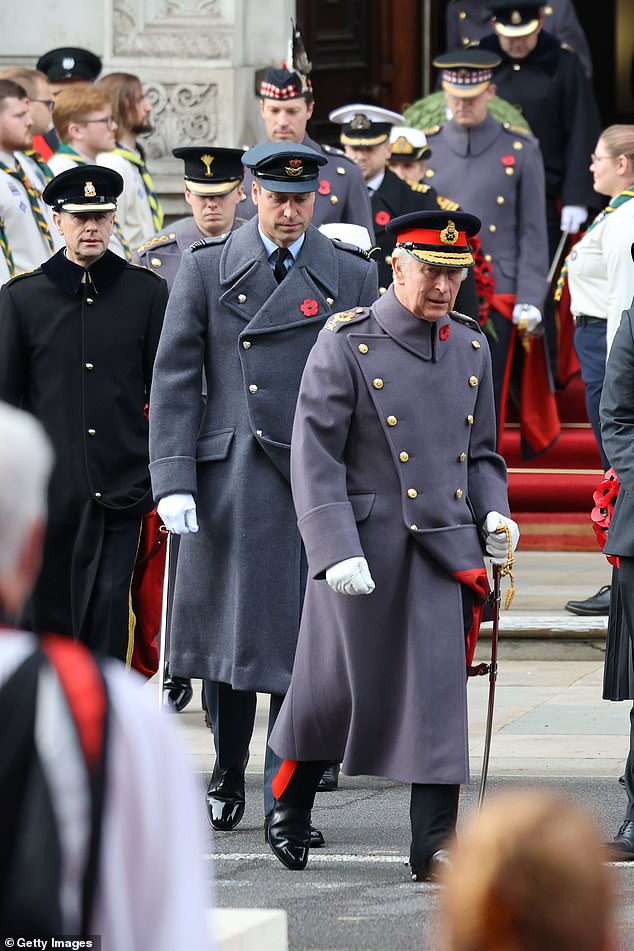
(324, 187)
(309, 308)
(444, 331)
(508, 160)
(382, 218)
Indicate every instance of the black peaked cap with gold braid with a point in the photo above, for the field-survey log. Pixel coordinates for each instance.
(436, 237)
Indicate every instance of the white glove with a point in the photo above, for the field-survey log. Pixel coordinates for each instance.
(496, 543)
(572, 217)
(351, 576)
(527, 316)
(178, 512)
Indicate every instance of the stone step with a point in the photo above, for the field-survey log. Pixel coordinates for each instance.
(548, 625)
(249, 929)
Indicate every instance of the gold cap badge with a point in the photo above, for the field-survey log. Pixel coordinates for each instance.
(207, 160)
(89, 190)
(516, 17)
(294, 167)
(449, 235)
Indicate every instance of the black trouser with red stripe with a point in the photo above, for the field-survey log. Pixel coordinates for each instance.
(433, 806)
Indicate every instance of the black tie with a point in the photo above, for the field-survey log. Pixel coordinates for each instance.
(279, 271)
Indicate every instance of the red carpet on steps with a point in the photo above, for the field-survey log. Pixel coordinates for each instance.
(551, 496)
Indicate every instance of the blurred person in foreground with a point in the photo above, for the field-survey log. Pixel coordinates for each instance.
(529, 874)
(82, 845)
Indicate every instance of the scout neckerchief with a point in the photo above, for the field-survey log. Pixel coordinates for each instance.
(80, 160)
(148, 184)
(5, 247)
(34, 202)
(616, 202)
(41, 164)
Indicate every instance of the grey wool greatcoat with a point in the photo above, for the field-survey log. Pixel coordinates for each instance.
(392, 459)
(238, 592)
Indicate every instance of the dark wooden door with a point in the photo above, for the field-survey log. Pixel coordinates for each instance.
(361, 52)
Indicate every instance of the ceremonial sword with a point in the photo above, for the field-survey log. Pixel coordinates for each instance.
(164, 631)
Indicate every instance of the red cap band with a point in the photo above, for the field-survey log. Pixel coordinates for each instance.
(431, 236)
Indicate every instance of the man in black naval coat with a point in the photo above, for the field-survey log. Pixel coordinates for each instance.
(286, 104)
(544, 79)
(365, 135)
(78, 338)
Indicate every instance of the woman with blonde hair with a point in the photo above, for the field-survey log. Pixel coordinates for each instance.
(529, 874)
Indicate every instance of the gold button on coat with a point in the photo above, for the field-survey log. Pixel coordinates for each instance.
(89, 300)
(516, 67)
(458, 493)
(90, 366)
(403, 456)
(97, 495)
(253, 388)
(341, 170)
(462, 457)
(462, 15)
(333, 199)
(330, 301)
(487, 257)
(470, 419)
(156, 262)
(92, 432)
(500, 199)
(412, 493)
(378, 383)
(246, 344)
(518, 146)
(414, 528)
(242, 298)
(392, 420)
(475, 344)
(473, 381)
(363, 348)
(509, 171)
(492, 229)
(466, 41)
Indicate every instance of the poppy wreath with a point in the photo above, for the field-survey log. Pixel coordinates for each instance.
(604, 497)
(309, 308)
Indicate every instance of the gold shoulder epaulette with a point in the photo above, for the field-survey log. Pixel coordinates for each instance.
(16, 277)
(344, 317)
(417, 186)
(157, 239)
(432, 130)
(466, 320)
(518, 130)
(143, 267)
(447, 204)
(568, 48)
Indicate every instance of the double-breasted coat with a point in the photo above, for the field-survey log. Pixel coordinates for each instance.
(237, 598)
(617, 433)
(342, 194)
(79, 356)
(392, 459)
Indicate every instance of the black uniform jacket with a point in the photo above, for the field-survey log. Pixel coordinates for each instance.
(79, 356)
(554, 94)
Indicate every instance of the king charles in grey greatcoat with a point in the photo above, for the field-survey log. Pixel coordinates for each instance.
(617, 433)
(239, 584)
(396, 483)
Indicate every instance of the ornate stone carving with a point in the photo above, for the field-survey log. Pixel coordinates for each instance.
(187, 29)
(182, 114)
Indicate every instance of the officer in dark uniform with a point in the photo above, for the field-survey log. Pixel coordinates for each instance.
(78, 338)
(63, 66)
(213, 189)
(544, 79)
(287, 103)
(469, 20)
(365, 135)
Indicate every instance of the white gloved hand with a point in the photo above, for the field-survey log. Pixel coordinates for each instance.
(528, 313)
(496, 543)
(351, 576)
(178, 512)
(572, 217)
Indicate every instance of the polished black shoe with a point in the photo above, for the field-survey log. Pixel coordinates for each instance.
(598, 605)
(317, 840)
(177, 691)
(225, 799)
(330, 778)
(622, 781)
(288, 834)
(621, 848)
(436, 868)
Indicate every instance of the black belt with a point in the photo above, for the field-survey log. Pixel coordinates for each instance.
(583, 320)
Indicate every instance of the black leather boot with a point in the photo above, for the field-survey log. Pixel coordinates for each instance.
(288, 834)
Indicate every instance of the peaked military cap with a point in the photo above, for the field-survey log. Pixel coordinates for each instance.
(285, 166)
(466, 73)
(284, 84)
(83, 189)
(515, 19)
(211, 171)
(364, 125)
(408, 143)
(69, 62)
(436, 237)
